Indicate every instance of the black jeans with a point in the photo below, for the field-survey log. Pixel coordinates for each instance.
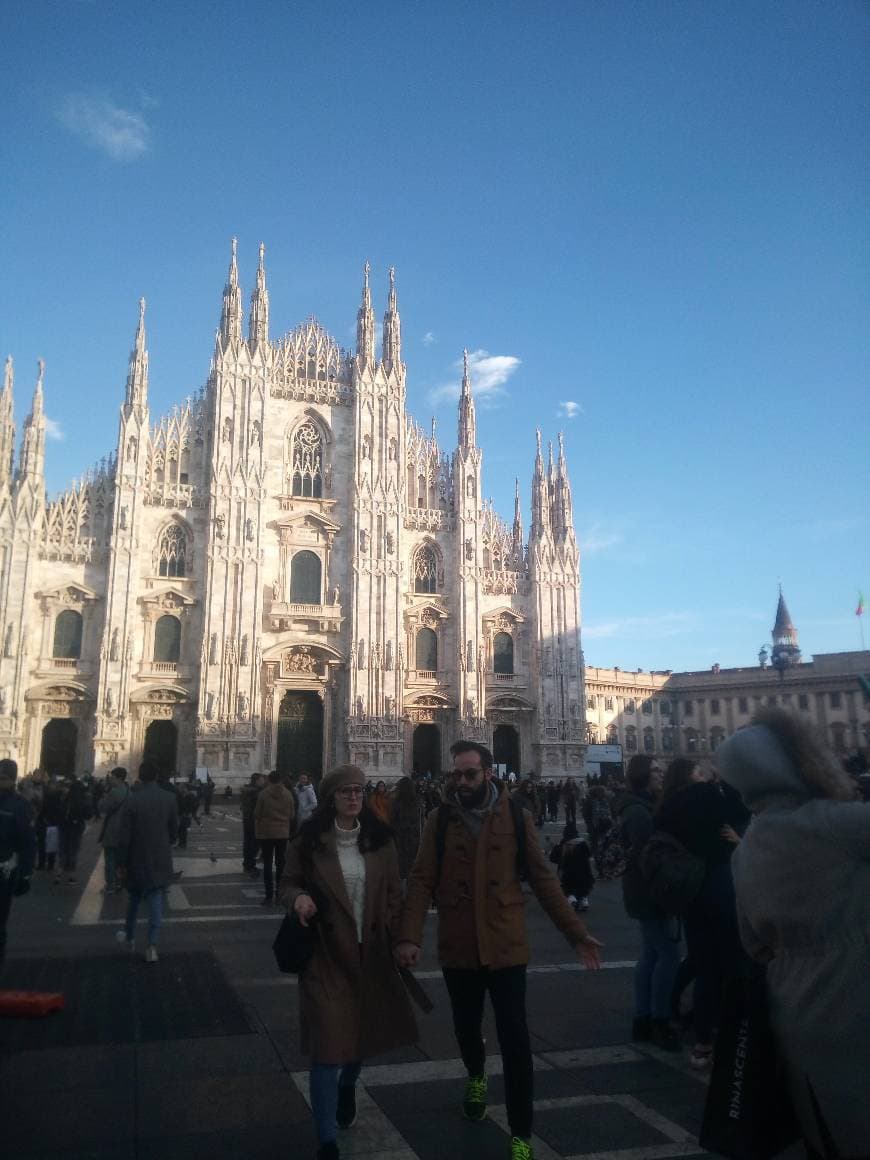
(277, 848)
(714, 947)
(249, 845)
(6, 887)
(507, 992)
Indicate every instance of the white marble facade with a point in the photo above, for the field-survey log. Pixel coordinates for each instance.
(285, 570)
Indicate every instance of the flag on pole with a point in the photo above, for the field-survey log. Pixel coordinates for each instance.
(859, 611)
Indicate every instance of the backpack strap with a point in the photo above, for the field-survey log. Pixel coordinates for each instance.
(443, 817)
(517, 812)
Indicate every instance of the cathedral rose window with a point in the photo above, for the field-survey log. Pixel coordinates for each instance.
(307, 462)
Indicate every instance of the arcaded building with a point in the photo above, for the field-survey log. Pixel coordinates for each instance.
(285, 571)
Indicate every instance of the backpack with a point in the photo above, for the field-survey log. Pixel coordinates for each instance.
(672, 875)
(517, 813)
(610, 855)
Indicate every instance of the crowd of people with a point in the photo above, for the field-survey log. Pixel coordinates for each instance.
(755, 864)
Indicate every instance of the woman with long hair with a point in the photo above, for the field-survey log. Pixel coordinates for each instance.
(706, 817)
(802, 876)
(379, 802)
(352, 1001)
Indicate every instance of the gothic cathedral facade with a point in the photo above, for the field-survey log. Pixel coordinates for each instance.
(285, 571)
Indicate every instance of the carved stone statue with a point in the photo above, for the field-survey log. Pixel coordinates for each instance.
(115, 646)
(361, 654)
(276, 589)
(391, 543)
(213, 649)
(469, 660)
(249, 530)
(110, 701)
(336, 594)
(244, 650)
(3, 696)
(388, 655)
(209, 706)
(469, 550)
(242, 706)
(389, 706)
(220, 523)
(9, 640)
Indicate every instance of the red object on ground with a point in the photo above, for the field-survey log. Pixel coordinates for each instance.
(30, 1004)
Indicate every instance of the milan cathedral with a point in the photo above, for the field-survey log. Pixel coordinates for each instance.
(285, 571)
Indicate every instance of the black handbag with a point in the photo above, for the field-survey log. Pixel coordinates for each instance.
(748, 1114)
(294, 944)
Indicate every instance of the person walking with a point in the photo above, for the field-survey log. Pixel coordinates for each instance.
(406, 820)
(342, 870)
(569, 799)
(707, 819)
(17, 845)
(306, 797)
(110, 809)
(471, 866)
(75, 812)
(802, 877)
(148, 828)
(248, 800)
(274, 815)
(660, 935)
(379, 802)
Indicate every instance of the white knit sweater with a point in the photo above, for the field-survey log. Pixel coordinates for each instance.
(353, 869)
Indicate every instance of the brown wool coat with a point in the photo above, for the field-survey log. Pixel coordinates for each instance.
(481, 905)
(353, 1004)
(274, 812)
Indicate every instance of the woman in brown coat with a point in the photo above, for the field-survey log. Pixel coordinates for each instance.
(352, 1000)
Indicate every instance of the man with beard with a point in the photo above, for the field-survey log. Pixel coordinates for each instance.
(468, 860)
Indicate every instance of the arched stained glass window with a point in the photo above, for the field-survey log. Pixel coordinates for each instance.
(305, 573)
(68, 635)
(307, 462)
(427, 650)
(503, 653)
(173, 552)
(167, 640)
(425, 571)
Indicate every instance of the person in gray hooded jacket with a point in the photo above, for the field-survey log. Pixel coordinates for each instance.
(802, 878)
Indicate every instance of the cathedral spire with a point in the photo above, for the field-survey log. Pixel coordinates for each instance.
(467, 419)
(518, 518)
(31, 464)
(365, 324)
(258, 322)
(7, 426)
(392, 333)
(540, 494)
(563, 518)
(231, 311)
(785, 649)
(137, 376)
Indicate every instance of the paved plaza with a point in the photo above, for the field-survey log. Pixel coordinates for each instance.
(198, 1055)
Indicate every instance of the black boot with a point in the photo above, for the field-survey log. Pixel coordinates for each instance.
(641, 1029)
(345, 1115)
(328, 1151)
(664, 1036)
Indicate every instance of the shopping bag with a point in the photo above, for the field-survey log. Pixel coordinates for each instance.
(748, 1114)
(294, 944)
(52, 839)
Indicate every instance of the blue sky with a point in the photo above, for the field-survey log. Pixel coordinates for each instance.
(653, 212)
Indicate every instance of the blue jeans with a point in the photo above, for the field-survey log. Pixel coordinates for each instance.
(657, 967)
(324, 1080)
(154, 898)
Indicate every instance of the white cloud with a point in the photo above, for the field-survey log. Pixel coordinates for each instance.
(117, 132)
(569, 409)
(429, 338)
(488, 373)
(53, 429)
(598, 539)
(641, 627)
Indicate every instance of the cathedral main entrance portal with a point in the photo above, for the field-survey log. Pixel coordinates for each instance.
(161, 746)
(58, 754)
(506, 747)
(427, 749)
(300, 734)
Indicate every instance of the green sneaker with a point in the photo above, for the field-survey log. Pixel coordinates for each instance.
(474, 1100)
(521, 1150)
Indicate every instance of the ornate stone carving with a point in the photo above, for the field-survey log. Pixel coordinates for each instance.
(300, 660)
